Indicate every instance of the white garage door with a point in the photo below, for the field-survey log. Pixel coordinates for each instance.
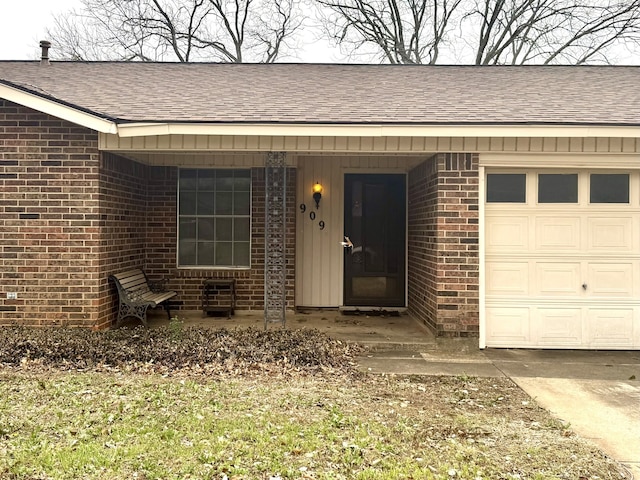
(562, 259)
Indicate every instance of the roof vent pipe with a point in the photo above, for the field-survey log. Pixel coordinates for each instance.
(45, 45)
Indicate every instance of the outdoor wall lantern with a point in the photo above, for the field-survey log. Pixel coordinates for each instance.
(317, 194)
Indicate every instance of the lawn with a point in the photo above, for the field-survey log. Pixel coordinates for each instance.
(73, 418)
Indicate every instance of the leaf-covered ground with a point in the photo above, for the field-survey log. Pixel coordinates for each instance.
(175, 347)
(270, 405)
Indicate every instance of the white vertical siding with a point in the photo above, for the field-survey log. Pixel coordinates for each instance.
(319, 253)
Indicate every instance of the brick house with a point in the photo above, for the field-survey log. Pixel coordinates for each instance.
(498, 202)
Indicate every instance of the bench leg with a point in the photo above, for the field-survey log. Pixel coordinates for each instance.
(136, 311)
(166, 307)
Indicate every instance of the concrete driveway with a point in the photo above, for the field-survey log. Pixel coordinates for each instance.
(598, 393)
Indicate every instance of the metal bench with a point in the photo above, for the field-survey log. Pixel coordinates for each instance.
(137, 294)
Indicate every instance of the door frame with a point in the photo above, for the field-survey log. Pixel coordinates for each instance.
(382, 171)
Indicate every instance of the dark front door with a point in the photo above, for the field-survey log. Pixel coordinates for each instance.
(375, 222)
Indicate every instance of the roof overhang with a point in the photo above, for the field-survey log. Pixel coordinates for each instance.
(146, 129)
(56, 109)
(359, 130)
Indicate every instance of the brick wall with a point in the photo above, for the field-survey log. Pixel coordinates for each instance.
(422, 242)
(49, 220)
(123, 208)
(443, 244)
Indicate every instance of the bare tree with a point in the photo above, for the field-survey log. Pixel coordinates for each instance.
(485, 31)
(178, 30)
(398, 31)
(553, 31)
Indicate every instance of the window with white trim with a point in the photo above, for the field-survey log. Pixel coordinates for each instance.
(214, 218)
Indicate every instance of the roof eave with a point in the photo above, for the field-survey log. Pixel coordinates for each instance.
(123, 128)
(57, 109)
(377, 130)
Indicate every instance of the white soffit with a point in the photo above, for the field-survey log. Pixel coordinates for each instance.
(354, 130)
(57, 110)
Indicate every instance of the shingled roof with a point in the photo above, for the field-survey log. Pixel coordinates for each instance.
(337, 94)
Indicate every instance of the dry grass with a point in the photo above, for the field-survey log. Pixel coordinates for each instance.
(258, 418)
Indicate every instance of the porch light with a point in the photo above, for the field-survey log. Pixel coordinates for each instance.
(317, 193)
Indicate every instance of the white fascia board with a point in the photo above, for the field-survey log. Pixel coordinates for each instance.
(57, 110)
(355, 130)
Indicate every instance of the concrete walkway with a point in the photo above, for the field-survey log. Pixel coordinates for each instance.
(596, 392)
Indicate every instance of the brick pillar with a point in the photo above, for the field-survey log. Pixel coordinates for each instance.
(123, 226)
(443, 244)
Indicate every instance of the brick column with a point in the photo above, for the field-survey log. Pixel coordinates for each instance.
(443, 244)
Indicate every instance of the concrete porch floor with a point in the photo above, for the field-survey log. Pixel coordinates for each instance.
(377, 331)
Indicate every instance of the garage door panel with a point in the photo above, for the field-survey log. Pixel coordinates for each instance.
(508, 278)
(563, 271)
(610, 279)
(557, 233)
(558, 279)
(508, 326)
(507, 234)
(613, 235)
(611, 327)
(559, 327)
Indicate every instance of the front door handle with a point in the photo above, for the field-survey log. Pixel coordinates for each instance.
(346, 243)
(584, 286)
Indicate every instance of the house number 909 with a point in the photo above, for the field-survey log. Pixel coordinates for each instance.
(312, 216)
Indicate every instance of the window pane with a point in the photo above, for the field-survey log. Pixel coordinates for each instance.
(506, 187)
(224, 231)
(224, 181)
(609, 188)
(206, 179)
(187, 252)
(242, 229)
(224, 203)
(242, 203)
(205, 229)
(205, 253)
(205, 203)
(187, 203)
(242, 180)
(241, 254)
(188, 228)
(557, 188)
(188, 179)
(224, 253)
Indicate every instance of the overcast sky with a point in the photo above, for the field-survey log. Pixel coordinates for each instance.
(23, 24)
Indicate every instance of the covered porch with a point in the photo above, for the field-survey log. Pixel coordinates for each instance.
(430, 268)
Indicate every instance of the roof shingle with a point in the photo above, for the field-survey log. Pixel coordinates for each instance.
(338, 94)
